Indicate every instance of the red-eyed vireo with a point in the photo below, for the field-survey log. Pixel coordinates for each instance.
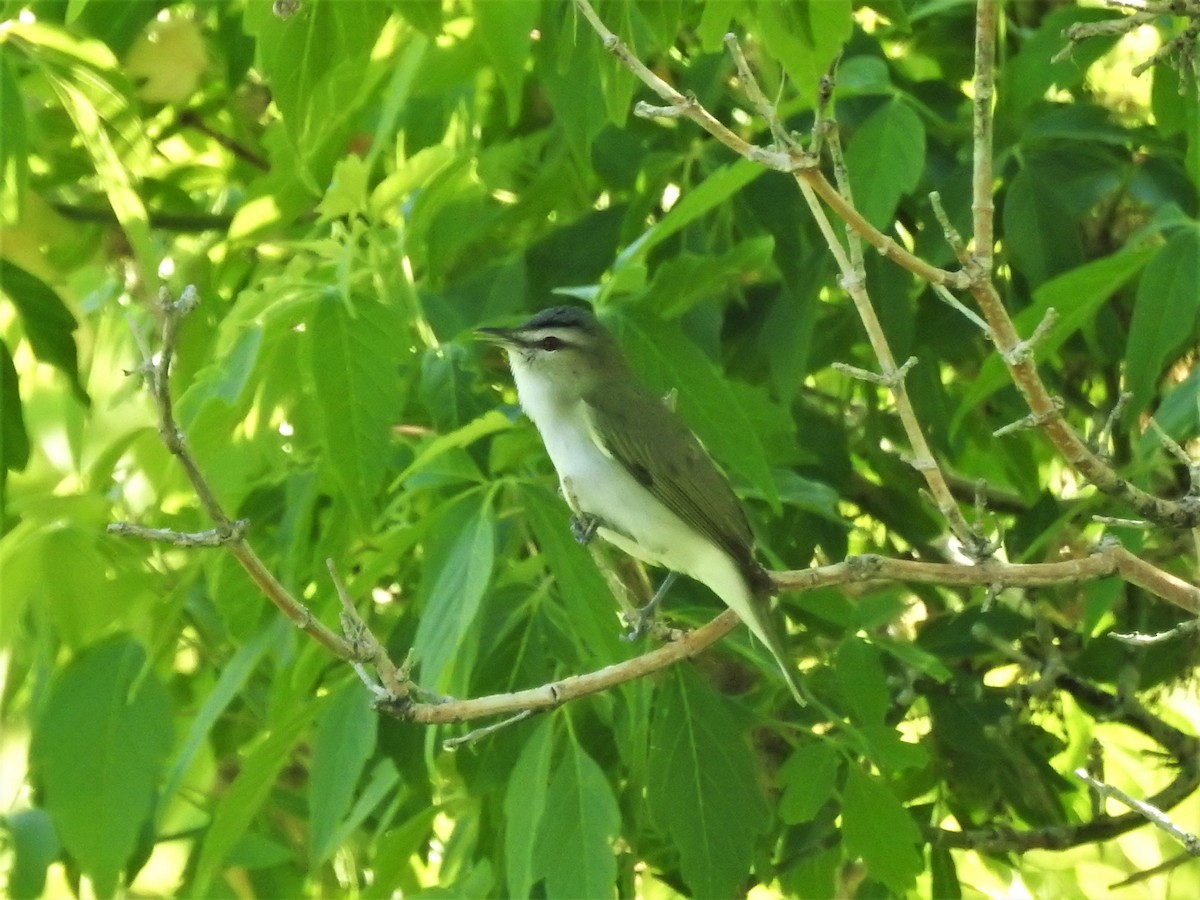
(629, 467)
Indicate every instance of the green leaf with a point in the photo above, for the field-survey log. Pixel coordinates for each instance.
(34, 846)
(488, 423)
(944, 875)
(685, 280)
(1165, 316)
(590, 604)
(703, 785)
(234, 675)
(1039, 228)
(227, 381)
(525, 800)
(14, 439)
(885, 158)
(669, 361)
(715, 190)
(862, 679)
(805, 36)
(1025, 79)
(459, 556)
(98, 747)
(89, 84)
(809, 779)
(49, 326)
(569, 65)
(504, 29)
(354, 373)
(716, 21)
(878, 829)
(344, 741)
(911, 655)
(380, 785)
(14, 149)
(245, 796)
(582, 820)
(1075, 296)
(318, 64)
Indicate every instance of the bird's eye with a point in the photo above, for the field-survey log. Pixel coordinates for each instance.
(550, 342)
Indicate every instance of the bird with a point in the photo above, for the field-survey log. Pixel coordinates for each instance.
(631, 470)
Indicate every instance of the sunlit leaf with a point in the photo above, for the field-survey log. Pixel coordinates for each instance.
(99, 746)
(574, 851)
(703, 787)
(1166, 315)
(879, 829)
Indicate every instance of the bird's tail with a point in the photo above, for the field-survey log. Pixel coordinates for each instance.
(752, 607)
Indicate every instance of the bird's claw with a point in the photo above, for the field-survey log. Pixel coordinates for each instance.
(639, 623)
(584, 528)
(644, 617)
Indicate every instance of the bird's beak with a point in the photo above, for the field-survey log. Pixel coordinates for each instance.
(500, 336)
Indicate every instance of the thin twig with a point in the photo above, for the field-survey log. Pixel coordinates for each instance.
(1138, 639)
(214, 537)
(1150, 812)
(472, 736)
(230, 533)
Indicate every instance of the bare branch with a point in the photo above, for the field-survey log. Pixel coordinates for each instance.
(229, 534)
(214, 537)
(1151, 813)
(983, 89)
(1137, 639)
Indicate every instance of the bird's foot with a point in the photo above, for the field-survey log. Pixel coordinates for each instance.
(584, 528)
(644, 617)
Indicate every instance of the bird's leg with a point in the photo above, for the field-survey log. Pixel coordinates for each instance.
(646, 614)
(584, 527)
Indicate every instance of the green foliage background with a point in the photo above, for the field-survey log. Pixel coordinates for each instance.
(352, 187)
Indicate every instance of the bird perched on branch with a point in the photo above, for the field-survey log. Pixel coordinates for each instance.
(631, 470)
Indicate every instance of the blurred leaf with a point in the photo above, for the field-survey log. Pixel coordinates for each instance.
(703, 788)
(505, 30)
(574, 852)
(488, 423)
(318, 92)
(525, 801)
(91, 88)
(716, 188)
(14, 439)
(49, 326)
(804, 36)
(1166, 315)
(458, 567)
(1026, 78)
(99, 748)
(878, 829)
(34, 846)
(344, 741)
(685, 280)
(885, 159)
(1040, 233)
(355, 380)
(234, 675)
(14, 158)
(568, 64)
(944, 876)
(245, 796)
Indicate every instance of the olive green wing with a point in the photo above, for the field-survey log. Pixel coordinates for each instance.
(633, 426)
